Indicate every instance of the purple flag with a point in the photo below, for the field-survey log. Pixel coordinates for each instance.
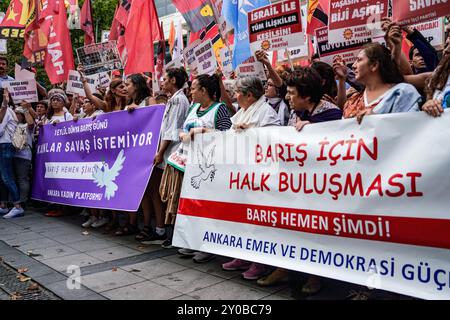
(103, 163)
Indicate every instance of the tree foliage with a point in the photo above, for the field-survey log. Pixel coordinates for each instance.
(102, 12)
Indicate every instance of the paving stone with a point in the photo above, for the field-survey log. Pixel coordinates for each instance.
(91, 244)
(108, 280)
(60, 288)
(154, 268)
(188, 280)
(228, 290)
(147, 290)
(50, 278)
(61, 263)
(25, 237)
(113, 253)
(18, 241)
(31, 245)
(36, 269)
(74, 236)
(213, 267)
(53, 252)
(50, 233)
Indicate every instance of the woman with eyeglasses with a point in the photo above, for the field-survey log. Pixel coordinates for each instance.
(57, 112)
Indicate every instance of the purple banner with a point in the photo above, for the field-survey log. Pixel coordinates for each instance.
(103, 163)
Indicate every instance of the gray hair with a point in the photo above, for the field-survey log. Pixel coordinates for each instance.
(251, 84)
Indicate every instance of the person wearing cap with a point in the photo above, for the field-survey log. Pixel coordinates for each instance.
(57, 111)
(22, 158)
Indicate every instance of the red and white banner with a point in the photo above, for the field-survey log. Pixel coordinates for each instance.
(357, 203)
(348, 50)
(356, 20)
(416, 11)
(276, 27)
(433, 31)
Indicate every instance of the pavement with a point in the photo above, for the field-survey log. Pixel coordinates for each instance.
(54, 251)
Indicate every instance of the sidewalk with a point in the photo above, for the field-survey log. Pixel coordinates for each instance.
(121, 268)
(116, 267)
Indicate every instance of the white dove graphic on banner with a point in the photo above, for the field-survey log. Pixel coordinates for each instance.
(207, 167)
(105, 176)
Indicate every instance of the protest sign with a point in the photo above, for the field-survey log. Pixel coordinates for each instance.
(356, 20)
(339, 200)
(75, 86)
(251, 67)
(22, 90)
(275, 27)
(433, 31)
(99, 57)
(300, 51)
(98, 164)
(226, 62)
(416, 11)
(206, 58)
(347, 50)
(189, 56)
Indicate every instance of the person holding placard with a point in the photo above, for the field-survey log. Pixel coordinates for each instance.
(385, 90)
(8, 123)
(22, 158)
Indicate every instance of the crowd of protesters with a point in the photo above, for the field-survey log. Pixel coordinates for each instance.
(382, 80)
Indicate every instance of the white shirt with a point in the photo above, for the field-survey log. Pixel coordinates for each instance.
(66, 117)
(259, 114)
(8, 126)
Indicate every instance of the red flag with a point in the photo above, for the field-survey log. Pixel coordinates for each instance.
(118, 26)
(87, 24)
(114, 31)
(15, 20)
(59, 57)
(197, 13)
(141, 31)
(317, 15)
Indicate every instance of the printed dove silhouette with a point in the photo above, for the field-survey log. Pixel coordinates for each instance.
(104, 176)
(206, 166)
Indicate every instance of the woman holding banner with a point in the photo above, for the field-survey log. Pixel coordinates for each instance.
(254, 112)
(138, 95)
(206, 114)
(8, 123)
(174, 82)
